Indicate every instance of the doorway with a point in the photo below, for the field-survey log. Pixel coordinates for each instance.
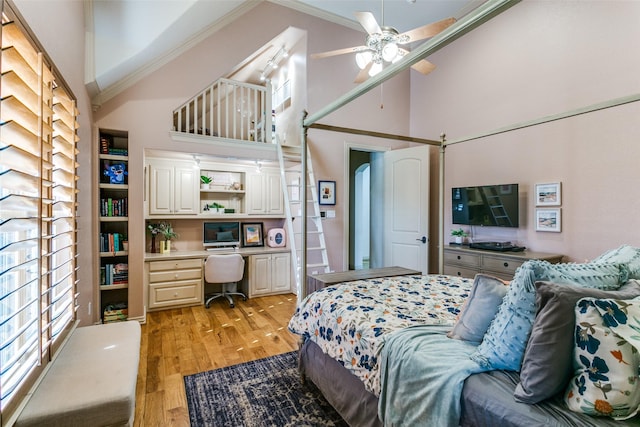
(365, 208)
(391, 233)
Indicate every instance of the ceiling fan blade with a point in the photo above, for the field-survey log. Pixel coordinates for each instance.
(354, 49)
(364, 73)
(428, 30)
(368, 22)
(424, 66)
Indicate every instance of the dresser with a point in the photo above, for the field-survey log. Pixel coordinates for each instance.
(465, 262)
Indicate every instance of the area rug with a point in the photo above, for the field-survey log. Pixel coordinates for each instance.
(265, 392)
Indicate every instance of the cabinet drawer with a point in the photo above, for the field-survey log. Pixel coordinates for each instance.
(175, 264)
(501, 265)
(169, 295)
(454, 270)
(174, 275)
(470, 260)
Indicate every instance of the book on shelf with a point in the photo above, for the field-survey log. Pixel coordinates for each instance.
(111, 242)
(114, 207)
(114, 274)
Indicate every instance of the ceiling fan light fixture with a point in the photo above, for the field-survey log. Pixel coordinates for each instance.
(376, 67)
(390, 52)
(363, 58)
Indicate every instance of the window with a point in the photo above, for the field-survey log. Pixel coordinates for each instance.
(38, 201)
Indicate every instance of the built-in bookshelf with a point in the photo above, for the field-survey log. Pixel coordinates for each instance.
(113, 208)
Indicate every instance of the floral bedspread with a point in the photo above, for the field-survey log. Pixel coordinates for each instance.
(348, 321)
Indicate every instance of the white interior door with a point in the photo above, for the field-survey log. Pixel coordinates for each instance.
(406, 201)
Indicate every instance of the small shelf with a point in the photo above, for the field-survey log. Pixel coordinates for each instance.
(113, 254)
(113, 157)
(115, 186)
(113, 218)
(222, 191)
(114, 287)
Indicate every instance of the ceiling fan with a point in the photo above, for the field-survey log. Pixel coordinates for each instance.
(383, 45)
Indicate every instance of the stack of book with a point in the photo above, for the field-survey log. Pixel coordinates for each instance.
(114, 207)
(111, 242)
(115, 312)
(114, 274)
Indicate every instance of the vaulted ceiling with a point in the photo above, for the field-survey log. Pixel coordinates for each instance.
(131, 37)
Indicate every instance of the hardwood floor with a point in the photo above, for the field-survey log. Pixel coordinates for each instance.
(186, 341)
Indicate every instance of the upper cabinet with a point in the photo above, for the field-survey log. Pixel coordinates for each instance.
(173, 187)
(183, 188)
(264, 193)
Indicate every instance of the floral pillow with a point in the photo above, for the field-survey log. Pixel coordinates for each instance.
(606, 359)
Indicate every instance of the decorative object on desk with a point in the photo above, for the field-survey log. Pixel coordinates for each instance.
(548, 220)
(276, 238)
(252, 234)
(236, 186)
(205, 182)
(154, 229)
(548, 194)
(326, 192)
(168, 233)
(459, 235)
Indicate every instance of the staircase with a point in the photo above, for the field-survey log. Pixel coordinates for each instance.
(291, 177)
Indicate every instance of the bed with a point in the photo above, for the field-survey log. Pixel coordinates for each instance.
(351, 332)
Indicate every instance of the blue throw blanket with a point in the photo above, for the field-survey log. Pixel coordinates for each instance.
(422, 374)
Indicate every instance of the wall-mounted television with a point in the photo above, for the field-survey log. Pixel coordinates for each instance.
(486, 205)
(218, 234)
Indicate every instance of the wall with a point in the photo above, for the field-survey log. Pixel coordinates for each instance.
(66, 50)
(535, 60)
(144, 110)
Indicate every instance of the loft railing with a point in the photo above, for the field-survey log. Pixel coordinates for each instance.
(228, 109)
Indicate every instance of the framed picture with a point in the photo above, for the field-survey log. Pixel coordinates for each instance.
(252, 234)
(327, 192)
(548, 220)
(548, 194)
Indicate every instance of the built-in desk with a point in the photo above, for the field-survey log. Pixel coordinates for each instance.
(176, 279)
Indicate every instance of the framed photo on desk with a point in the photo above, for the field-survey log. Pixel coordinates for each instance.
(252, 234)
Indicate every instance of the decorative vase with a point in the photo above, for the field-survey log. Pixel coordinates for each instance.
(153, 244)
(165, 246)
(205, 186)
(459, 240)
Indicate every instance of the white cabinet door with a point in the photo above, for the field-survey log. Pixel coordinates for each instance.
(281, 272)
(173, 188)
(160, 186)
(186, 197)
(264, 193)
(255, 194)
(259, 275)
(274, 197)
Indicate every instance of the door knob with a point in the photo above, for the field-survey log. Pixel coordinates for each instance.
(423, 239)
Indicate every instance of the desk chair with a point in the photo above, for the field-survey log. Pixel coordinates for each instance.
(226, 269)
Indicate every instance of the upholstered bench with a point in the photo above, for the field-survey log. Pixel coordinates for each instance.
(92, 380)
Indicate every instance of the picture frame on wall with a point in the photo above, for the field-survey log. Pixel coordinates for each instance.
(548, 194)
(326, 192)
(548, 219)
(252, 234)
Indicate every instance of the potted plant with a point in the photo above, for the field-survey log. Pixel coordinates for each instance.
(459, 235)
(167, 231)
(205, 182)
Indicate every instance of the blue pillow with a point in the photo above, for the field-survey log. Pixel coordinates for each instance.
(504, 343)
(625, 254)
